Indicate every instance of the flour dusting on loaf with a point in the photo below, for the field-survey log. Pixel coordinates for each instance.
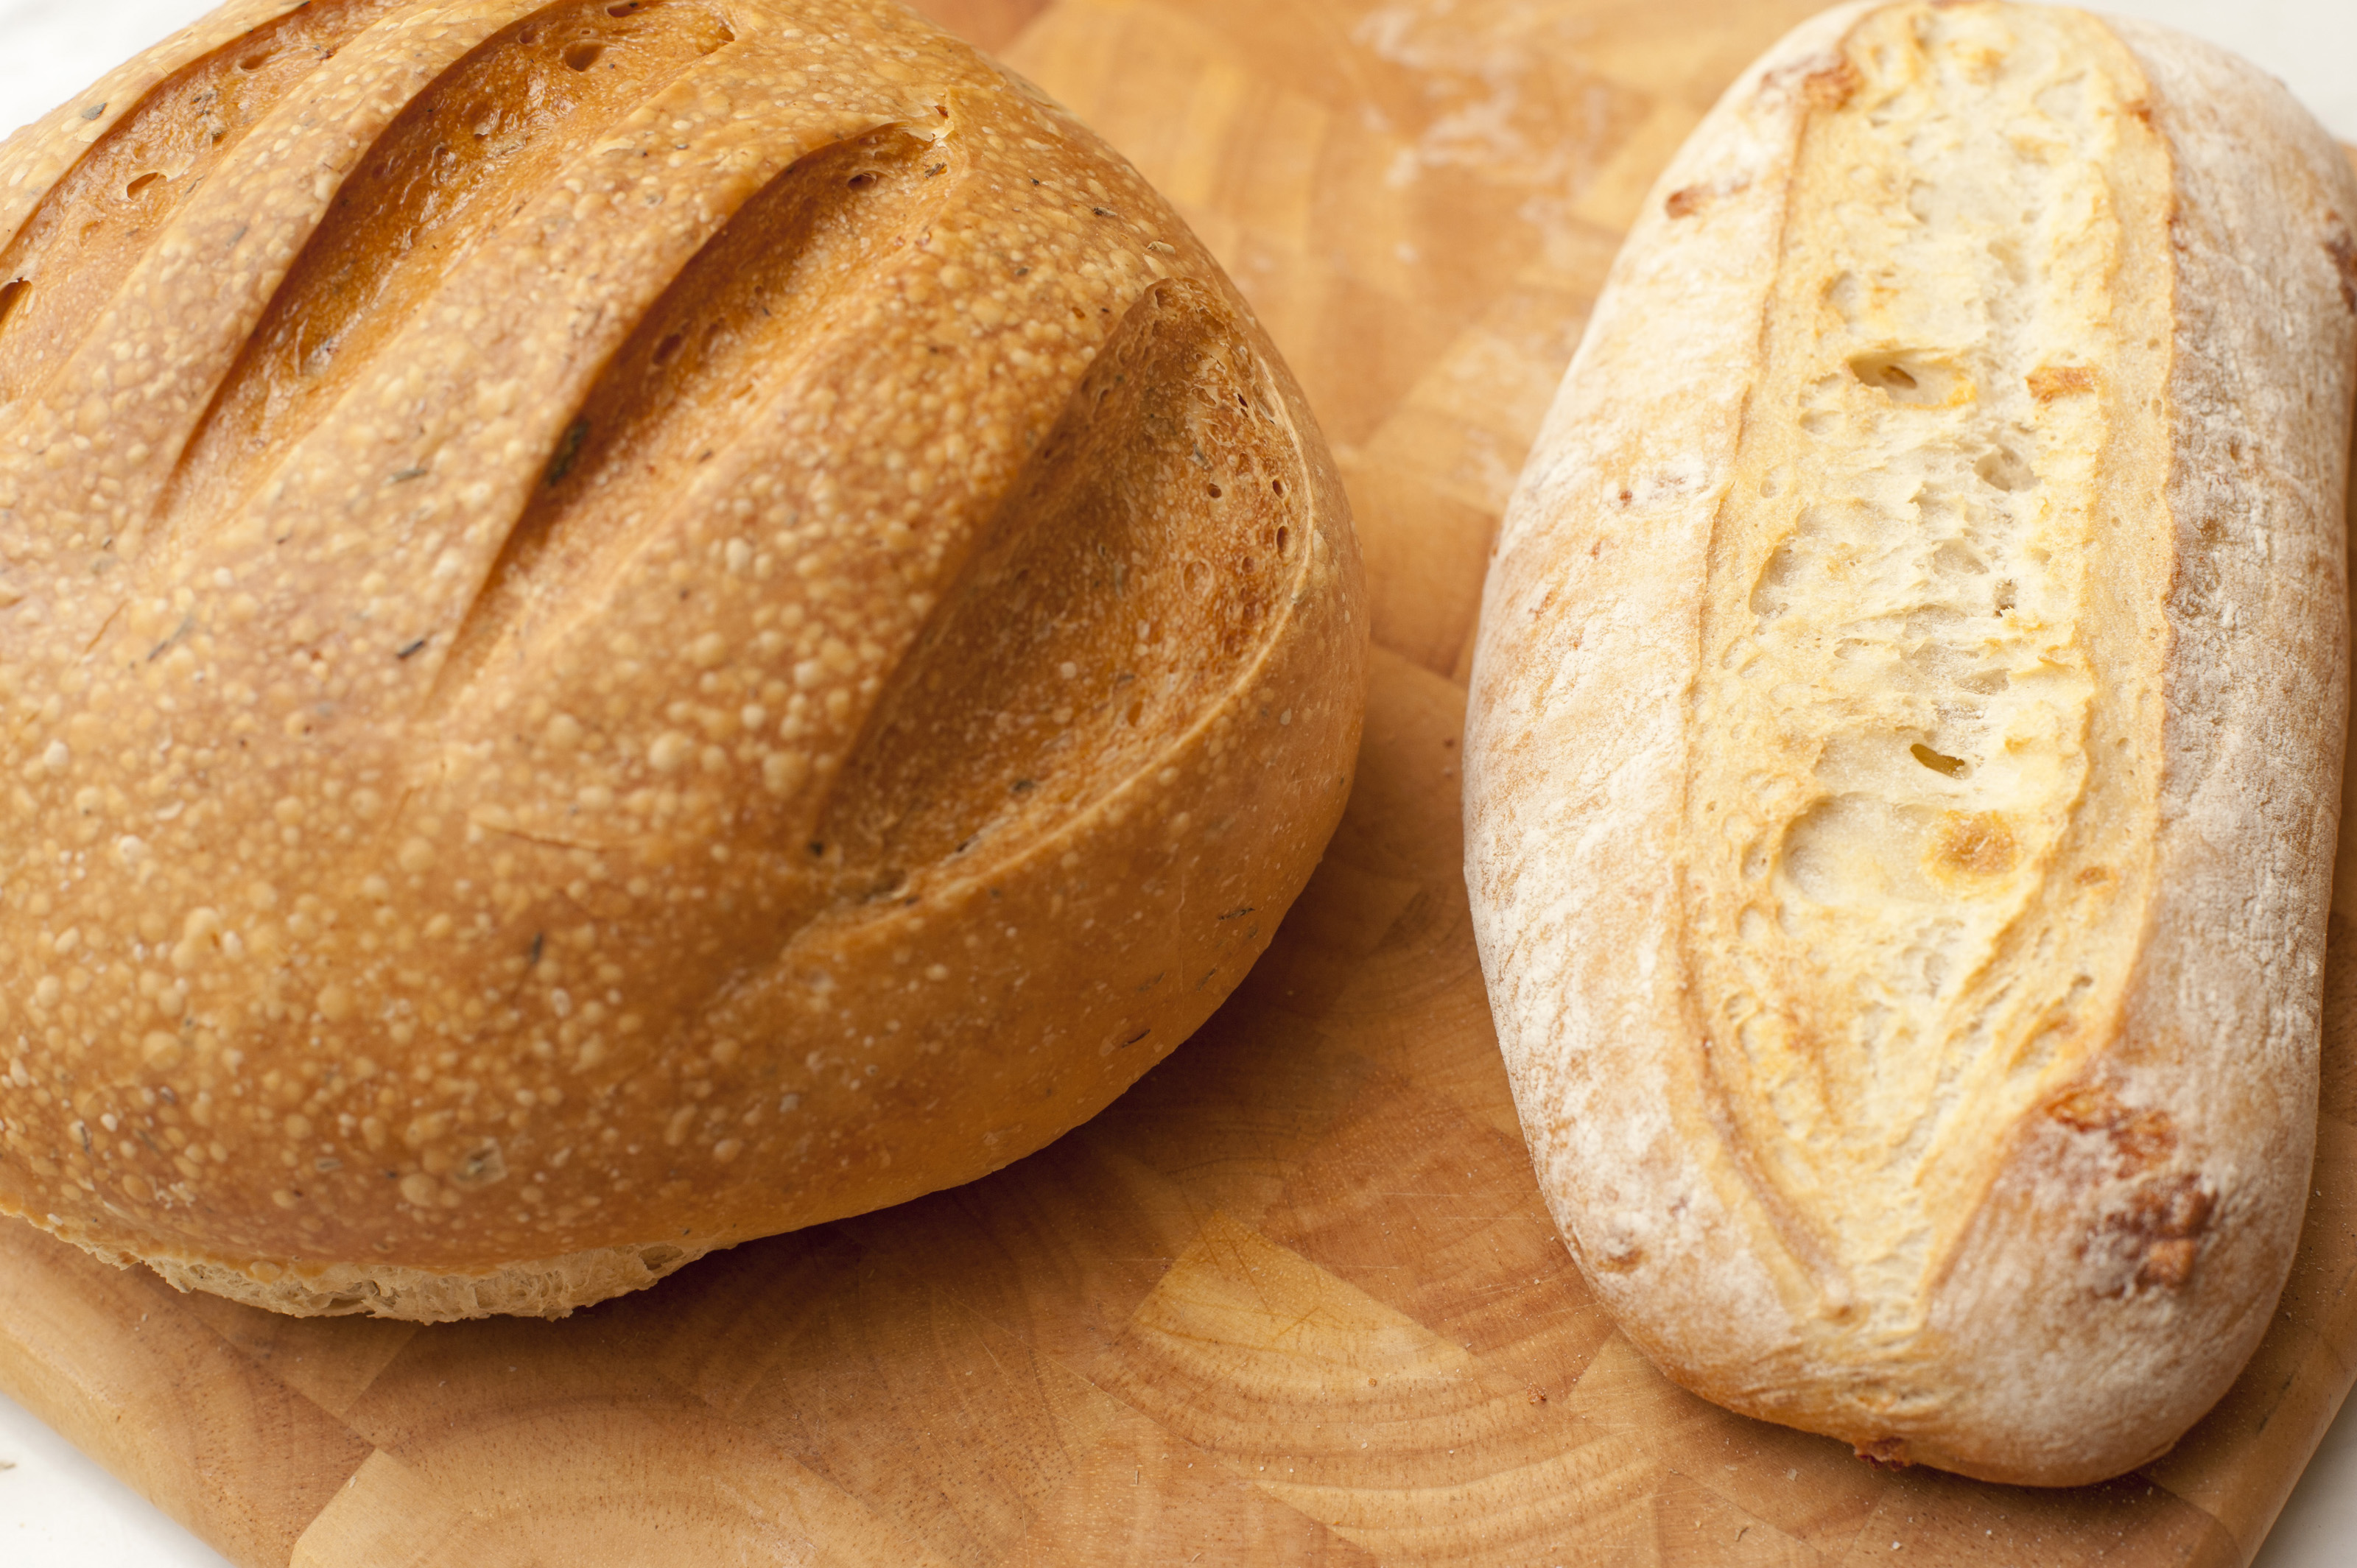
(1904, 753)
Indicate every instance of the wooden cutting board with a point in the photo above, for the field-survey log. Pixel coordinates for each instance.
(1295, 1299)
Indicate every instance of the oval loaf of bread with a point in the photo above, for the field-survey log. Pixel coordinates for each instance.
(1906, 732)
(624, 626)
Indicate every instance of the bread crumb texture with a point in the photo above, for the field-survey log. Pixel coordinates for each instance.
(1905, 739)
(1932, 639)
(625, 626)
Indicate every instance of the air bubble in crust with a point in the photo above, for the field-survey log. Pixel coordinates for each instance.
(1914, 378)
(1937, 761)
(2005, 469)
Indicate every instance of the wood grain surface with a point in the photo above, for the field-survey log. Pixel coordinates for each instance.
(1295, 1299)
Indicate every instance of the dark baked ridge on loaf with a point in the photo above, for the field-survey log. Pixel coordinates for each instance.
(728, 623)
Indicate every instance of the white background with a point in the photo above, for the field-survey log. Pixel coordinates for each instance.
(59, 1511)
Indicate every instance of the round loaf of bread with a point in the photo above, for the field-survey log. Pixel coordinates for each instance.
(624, 627)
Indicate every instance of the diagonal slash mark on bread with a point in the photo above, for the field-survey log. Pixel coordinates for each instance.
(61, 264)
(458, 171)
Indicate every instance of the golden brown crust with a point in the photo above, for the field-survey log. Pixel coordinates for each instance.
(1905, 733)
(534, 1287)
(726, 623)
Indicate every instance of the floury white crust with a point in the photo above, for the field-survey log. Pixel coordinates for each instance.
(624, 627)
(1904, 750)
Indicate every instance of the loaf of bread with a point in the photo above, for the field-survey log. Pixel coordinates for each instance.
(1906, 731)
(627, 626)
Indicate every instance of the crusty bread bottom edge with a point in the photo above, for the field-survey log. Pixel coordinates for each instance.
(541, 1287)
